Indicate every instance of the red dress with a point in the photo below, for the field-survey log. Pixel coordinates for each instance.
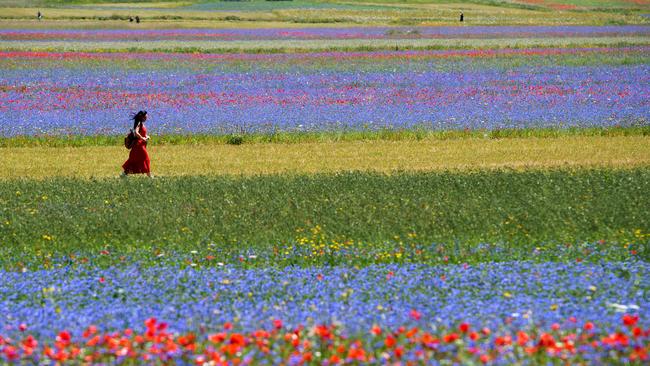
(138, 161)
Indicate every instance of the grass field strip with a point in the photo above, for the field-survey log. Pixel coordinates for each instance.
(311, 45)
(382, 156)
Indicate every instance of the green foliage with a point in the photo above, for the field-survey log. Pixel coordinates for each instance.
(205, 13)
(235, 140)
(289, 137)
(512, 211)
(331, 45)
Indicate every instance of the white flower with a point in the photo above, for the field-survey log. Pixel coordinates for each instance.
(620, 308)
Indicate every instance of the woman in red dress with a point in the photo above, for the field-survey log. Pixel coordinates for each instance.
(138, 162)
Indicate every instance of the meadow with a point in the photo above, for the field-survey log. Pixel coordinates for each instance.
(335, 183)
(305, 13)
(369, 212)
(44, 92)
(367, 152)
(375, 303)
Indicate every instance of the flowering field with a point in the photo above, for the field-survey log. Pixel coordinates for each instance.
(203, 273)
(326, 33)
(520, 312)
(64, 93)
(371, 212)
(453, 267)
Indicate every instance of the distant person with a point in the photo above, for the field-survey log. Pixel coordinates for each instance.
(39, 15)
(131, 19)
(462, 17)
(137, 19)
(138, 162)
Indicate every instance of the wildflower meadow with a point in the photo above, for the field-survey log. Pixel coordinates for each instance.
(334, 183)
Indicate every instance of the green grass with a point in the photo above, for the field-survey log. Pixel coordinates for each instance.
(227, 216)
(214, 5)
(302, 13)
(599, 4)
(292, 137)
(285, 46)
(257, 5)
(424, 62)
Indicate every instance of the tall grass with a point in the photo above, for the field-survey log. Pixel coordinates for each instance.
(294, 46)
(260, 214)
(293, 137)
(331, 157)
(486, 12)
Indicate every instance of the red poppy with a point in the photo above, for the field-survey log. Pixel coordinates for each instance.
(30, 342)
(412, 332)
(357, 354)
(277, 323)
(522, 338)
(451, 337)
(414, 314)
(89, 331)
(546, 340)
(11, 353)
(389, 341)
(463, 327)
(399, 352)
(64, 337)
(237, 339)
(376, 330)
(630, 320)
(217, 338)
